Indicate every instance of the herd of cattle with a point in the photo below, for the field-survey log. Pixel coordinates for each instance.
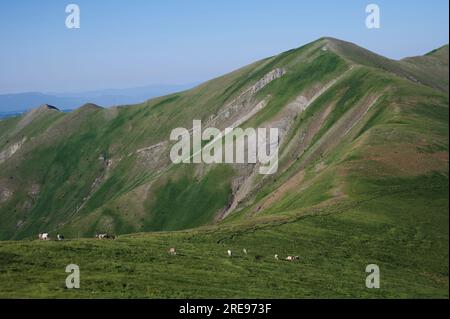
(172, 250)
(46, 236)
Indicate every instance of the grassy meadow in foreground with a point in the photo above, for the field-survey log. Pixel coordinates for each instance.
(404, 231)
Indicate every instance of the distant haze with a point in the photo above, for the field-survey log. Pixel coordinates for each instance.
(24, 101)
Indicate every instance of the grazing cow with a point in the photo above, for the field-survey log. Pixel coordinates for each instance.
(105, 236)
(173, 251)
(44, 236)
(245, 251)
(60, 237)
(292, 258)
(276, 256)
(101, 236)
(229, 253)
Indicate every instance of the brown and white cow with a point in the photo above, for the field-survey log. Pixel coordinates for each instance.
(105, 236)
(292, 258)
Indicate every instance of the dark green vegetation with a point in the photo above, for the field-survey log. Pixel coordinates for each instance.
(362, 178)
(190, 203)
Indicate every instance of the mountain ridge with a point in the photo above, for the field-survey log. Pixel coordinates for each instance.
(327, 90)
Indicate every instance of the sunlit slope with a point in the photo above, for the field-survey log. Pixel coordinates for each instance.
(430, 70)
(351, 123)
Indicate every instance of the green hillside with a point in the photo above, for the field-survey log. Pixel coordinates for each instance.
(404, 231)
(362, 178)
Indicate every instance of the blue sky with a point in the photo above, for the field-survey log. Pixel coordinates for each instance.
(128, 43)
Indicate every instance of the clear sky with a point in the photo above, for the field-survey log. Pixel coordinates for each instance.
(128, 43)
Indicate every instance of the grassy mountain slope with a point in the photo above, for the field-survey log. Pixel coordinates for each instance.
(108, 169)
(362, 178)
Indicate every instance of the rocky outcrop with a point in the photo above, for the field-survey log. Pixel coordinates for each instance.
(11, 150)
(269, 77)
(5, 194)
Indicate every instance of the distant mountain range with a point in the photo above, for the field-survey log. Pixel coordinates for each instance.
(20, 102)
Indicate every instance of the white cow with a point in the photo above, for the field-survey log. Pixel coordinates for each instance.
(229, 253)
(245, 251)
(44, 236)
(173, 251)
(276, 256)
